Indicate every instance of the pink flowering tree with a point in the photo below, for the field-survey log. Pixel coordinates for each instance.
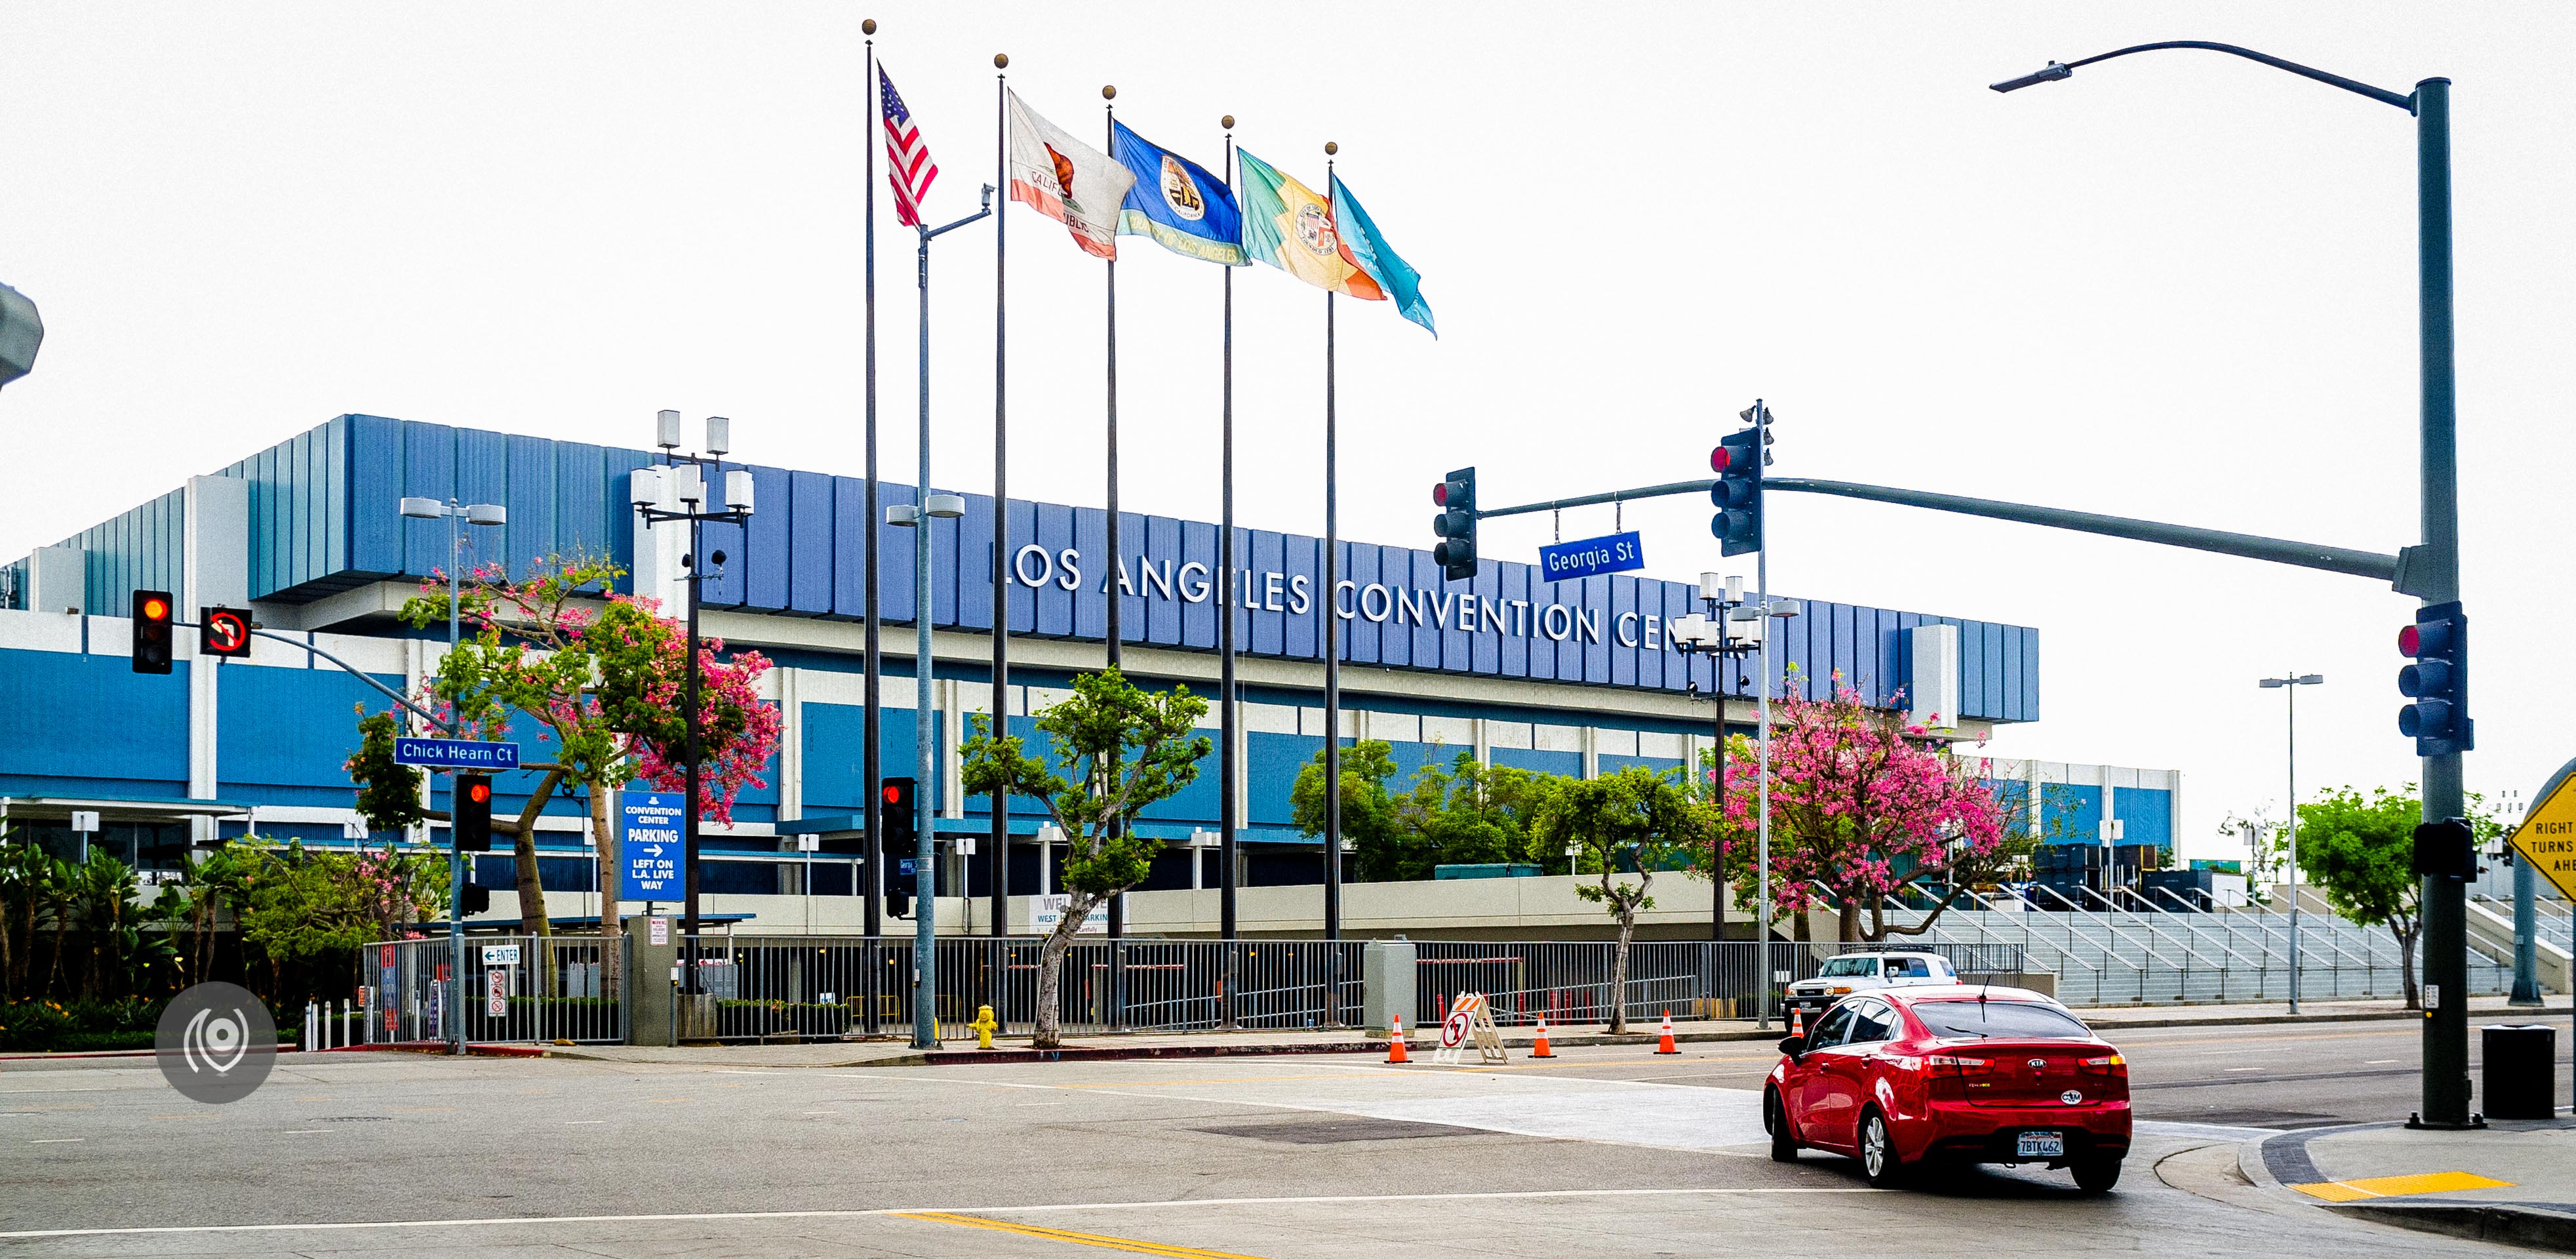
(600, 675)
(1864, 808)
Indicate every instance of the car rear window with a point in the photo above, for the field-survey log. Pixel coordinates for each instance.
(1998, 1019)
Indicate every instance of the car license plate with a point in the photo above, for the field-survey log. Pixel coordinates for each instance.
(2041, 1145)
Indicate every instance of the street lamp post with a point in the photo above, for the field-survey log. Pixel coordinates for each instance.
(707, 491)
(2289, 685)
(2429, 570)
(1720, 594)
(489, 515)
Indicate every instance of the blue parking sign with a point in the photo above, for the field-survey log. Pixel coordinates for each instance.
(649, 844)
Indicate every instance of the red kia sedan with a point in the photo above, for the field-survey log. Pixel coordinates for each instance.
(1899, 1078)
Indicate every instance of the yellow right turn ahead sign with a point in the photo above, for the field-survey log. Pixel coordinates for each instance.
(2547, 836)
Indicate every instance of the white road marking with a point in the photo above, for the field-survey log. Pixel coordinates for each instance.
(1020, 1209)
(59, 1141)
(570, 1122)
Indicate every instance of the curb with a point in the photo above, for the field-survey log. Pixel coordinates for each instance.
(2510, 1223)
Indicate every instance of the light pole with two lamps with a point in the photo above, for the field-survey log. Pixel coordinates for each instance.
(706, 491)
(488, 515)
(2289, 685)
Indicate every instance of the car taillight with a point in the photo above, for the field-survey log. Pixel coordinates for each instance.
(1951, 1064)
(2111, 1065)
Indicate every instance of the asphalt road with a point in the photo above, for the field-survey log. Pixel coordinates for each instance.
(1606, 1152)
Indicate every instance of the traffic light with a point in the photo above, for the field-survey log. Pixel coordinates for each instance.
(1456, 525)
(2447, 848)
(472, 813)
(2438, 681)
(223, 632)
(901, 799)
(152, 615)
(1738, 462)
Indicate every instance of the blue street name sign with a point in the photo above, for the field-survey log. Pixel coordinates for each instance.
(456, 753)
(1591, 557)
(649, 845)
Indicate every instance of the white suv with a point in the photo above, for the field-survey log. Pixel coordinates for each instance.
(1859, 972)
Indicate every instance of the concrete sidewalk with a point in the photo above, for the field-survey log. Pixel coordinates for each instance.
(895, 1051)
(2512, 1182)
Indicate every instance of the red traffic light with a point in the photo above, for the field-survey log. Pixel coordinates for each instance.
(1717, 460)
(156, 610)
(2409, 642)
(479, 791)
(1440, 494)
(893, 794)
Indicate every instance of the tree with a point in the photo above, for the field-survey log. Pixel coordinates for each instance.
(602, 674)
(1863, 807)
(1462, 813)
(1368, 810)
(1118, 751)
(1633, 822)
(2361, 853)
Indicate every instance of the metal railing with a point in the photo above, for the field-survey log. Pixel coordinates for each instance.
(517, 988)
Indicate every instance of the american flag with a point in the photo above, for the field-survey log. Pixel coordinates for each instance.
(909, 167)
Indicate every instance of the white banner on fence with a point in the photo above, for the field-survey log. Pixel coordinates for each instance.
(1046, 911)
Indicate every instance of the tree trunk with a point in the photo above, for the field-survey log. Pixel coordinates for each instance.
(1847, 921)
(612, 929)
(1619, 972)
(1049, 1032)
(2406, 963)
(532, 893)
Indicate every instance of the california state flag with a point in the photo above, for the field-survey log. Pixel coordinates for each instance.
(1067, 180)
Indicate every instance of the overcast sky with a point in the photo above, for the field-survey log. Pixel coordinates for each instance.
(2178, 286)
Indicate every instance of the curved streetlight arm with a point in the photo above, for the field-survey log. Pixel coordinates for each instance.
(2059, 70)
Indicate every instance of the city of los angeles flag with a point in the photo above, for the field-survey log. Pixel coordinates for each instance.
(1286, 225)
(1067, 180)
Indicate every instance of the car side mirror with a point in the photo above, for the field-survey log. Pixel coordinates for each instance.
(1793, 1046)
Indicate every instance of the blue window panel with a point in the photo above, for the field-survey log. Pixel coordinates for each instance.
(55, 701)
(376, 467)
(1593, 630)
(1131, 594)
(1411, 758)
(2010, 708)
(1456, 651)
(1566, 763)
(1873, 643)
(1160, 580)
(294, 727)
(1274, 762)
(429, 471)
(974, 564)
(530, 496)
(2030, 674)
(1484, 632)
(1269, 624)
(1198, 618)
(2145, 813)
(767, 557)
(1623, 658)
(894, 556)
(1612, 763)
(1055, 604)
(1362, 638)
(849, 547)
(946, 568)
(835, 752)
(810, 516)
(1198, 802)
(1023, 597)
(583, 500)
(1901, 648)
(483, 476)
(1993, 705)
(1972, 667)
(1091, 538)
(1303, 557)
(1846, 643)
(2070, 814)
(1501, 642)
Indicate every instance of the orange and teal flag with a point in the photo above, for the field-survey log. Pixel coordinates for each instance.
(1365, 245)
(1286, 225)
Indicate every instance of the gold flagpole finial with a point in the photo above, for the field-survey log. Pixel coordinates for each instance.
(1330, 148)
(868, 27)
(1226, 122)
(1108, 92)
(1001, 61)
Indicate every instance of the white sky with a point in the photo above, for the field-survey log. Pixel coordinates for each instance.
(2179, 286)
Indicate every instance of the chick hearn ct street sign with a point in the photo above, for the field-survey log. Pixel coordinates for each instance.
(455, 753)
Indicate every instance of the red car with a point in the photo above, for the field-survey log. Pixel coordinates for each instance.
(1903, 1077)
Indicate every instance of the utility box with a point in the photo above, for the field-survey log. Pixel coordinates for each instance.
(1386, 984)
(649, 963)
(2522, 1075)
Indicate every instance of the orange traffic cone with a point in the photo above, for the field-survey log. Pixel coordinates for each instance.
(1540, 1049)
(1798, 1022)
(1395, 1040)
(1666, 1045)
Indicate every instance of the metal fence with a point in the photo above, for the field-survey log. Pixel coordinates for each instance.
(517, 988)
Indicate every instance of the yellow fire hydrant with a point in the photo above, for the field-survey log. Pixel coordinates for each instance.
(984, 1027)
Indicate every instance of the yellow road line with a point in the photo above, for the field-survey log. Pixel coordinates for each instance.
(1068, 1235)
(2398, 1186)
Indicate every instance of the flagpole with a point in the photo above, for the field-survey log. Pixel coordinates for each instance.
(1117, 569)
(1227, 769)
(1332, 649)
(1001, 705)
(872, 866)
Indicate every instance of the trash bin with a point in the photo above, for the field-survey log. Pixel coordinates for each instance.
(2521, 1065)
